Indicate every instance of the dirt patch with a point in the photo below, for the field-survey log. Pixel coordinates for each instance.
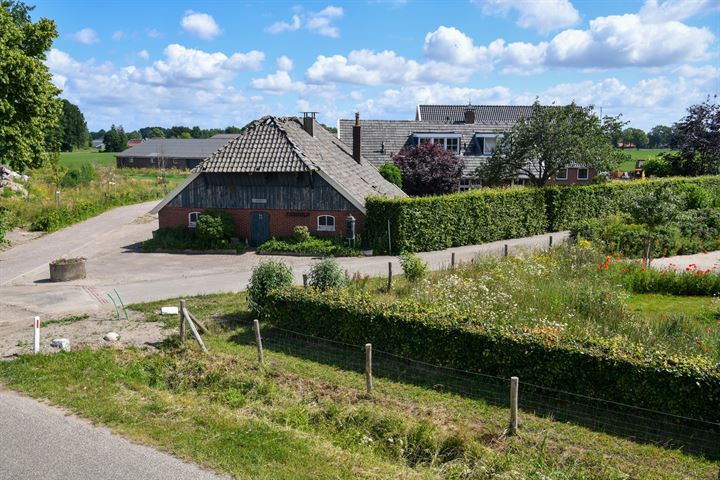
(18, 236)
(84, 332)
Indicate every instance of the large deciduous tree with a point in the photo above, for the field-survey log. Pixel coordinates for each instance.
(429, 169)
(28, 103)
(660, 136)
(71, 131)
(115, 139)
(550, 140)
(635, 136)
(698, 140)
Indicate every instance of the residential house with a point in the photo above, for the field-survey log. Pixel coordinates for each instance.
(183, 153)
(471, 131)
(280, 173)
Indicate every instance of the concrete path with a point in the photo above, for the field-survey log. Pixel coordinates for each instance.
(703, 261)
(41, 442)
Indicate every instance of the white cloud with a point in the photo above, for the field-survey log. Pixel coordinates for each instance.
(153, 33)
(317, 22)
(284, 63)
(277, 83)
(450, 45)
(199, 24)
(543, 16)
(118, 35)
(677, 10)
(110, 94)
(144, 54)
(86, 36)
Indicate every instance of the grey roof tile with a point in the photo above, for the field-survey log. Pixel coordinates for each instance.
(175, 148)
(484, 114)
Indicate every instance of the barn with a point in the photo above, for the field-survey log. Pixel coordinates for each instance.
(183, 153)
(281, 172)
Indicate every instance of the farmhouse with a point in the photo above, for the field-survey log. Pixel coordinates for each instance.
(471, 131)
(184, 153)
(281, 172)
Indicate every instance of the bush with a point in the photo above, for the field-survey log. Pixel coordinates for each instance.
(5, 223)
(76, 178)
(413, 267)
(658, 167)
(693, 196)
(690, 281)
(314, 246)
(326, 275)
(301, 233)
(391, 173)
(608, 368)
(265, 278)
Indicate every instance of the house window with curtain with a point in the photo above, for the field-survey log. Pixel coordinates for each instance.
(326, 223)
(562, 174)
(192, 219)
(582, 174)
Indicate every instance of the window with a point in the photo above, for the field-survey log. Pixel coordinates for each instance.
(486, 142)
(452, 144)
(192, 219)
(561, 175)
(582, 174)
(450, 141)
(489, 146)
(469, 184)
(326, 223)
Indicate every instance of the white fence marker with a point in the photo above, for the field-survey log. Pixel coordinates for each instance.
(513, 405)
(36, 348)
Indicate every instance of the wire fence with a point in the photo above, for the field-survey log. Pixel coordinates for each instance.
(635, 423)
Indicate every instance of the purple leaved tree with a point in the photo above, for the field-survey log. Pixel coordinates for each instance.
(429, 169)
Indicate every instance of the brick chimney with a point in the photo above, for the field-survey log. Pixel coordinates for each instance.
(309, 123)
(469, 116)
(357, 138)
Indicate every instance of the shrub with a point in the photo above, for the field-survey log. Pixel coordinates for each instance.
(171, 238)
(391, 173)
(266, 277)
(5, 223)
(326, 275)
(413, 267)
(658, 167)
(301, 233)
(79, 177)
(314, 246)
(693, 196)
(608, 368)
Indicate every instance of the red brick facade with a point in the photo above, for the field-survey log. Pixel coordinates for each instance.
(281, 221)
(573, 177)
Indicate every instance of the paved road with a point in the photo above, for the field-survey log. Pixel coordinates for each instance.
(41, 442)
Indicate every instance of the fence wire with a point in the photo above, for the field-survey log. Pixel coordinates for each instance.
(635, 423)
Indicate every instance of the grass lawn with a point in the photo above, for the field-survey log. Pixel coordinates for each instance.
(302, 418)
(78, 157)
(642, 154)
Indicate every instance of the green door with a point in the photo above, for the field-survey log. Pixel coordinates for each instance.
(259, 228)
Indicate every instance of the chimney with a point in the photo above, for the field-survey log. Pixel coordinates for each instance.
(469, 116)
(357, 138)
(309, 123)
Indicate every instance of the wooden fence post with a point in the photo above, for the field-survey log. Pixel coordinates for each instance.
(452, 260)
(550, 241)
(368, 367)
(258, 341)
(514, 382)
(389, 276)
(193, 330)
(182, 321)
(305, 280)
(506, 250)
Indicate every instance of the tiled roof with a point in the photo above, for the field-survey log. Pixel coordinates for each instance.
(175, 148)
(276, 144)
(484, 114)
(381, 139)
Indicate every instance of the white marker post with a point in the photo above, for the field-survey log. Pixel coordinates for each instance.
(36, 348)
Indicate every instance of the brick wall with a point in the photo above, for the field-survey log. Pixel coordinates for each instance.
(281, 223)
(572, 178)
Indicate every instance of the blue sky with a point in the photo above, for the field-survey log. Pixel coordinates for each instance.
(219, 63)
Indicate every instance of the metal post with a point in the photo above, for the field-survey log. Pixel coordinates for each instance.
(182, 321)
(514, 381)
(258, 341)
(389, 276)
(389, 240)
(506, 250)
(57, 198)
(36, 346)
(368, 367)
(452, 260)
(550, 241)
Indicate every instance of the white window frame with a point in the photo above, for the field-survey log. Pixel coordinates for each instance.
(439, 138)
(587, 174)
(480, 139)
(193, 223)
(326, 227)
(564, 175)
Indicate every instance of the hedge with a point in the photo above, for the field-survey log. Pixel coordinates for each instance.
(439, 222)
(603, 368)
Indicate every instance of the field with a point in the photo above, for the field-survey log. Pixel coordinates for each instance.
(301, 416)
(641, 154)
(78, 157)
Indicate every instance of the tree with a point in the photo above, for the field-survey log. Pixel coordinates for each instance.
(115, 139)
(635, 136)
(429, 169)
(185, 135)
(660, 136)
(233, 129)
(71, 130)
(134, 135)
(550, 140)
(653, 209)
(698, 140)
(391, 173)
(28, 103)
(99, 135)
(156, 133)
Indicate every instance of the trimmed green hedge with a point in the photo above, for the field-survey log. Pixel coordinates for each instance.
(603, 368)
(439, 222)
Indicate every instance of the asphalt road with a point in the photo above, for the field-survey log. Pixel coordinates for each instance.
(41, 442)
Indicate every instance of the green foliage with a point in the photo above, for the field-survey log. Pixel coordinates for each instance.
(326, 247)
(635, 136)
(172, 238)
(301, 233)
(658, 167)
(435, 223)
(694, 196)
(214, 229)
(549, 140)
(78, 177)
(28, 103)
(115, 139)
(599, 367)
(673, 281)
(266, 277)
(391, 173)
(5, 223)
(413, 267)
(326, 275)
(71, 131)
